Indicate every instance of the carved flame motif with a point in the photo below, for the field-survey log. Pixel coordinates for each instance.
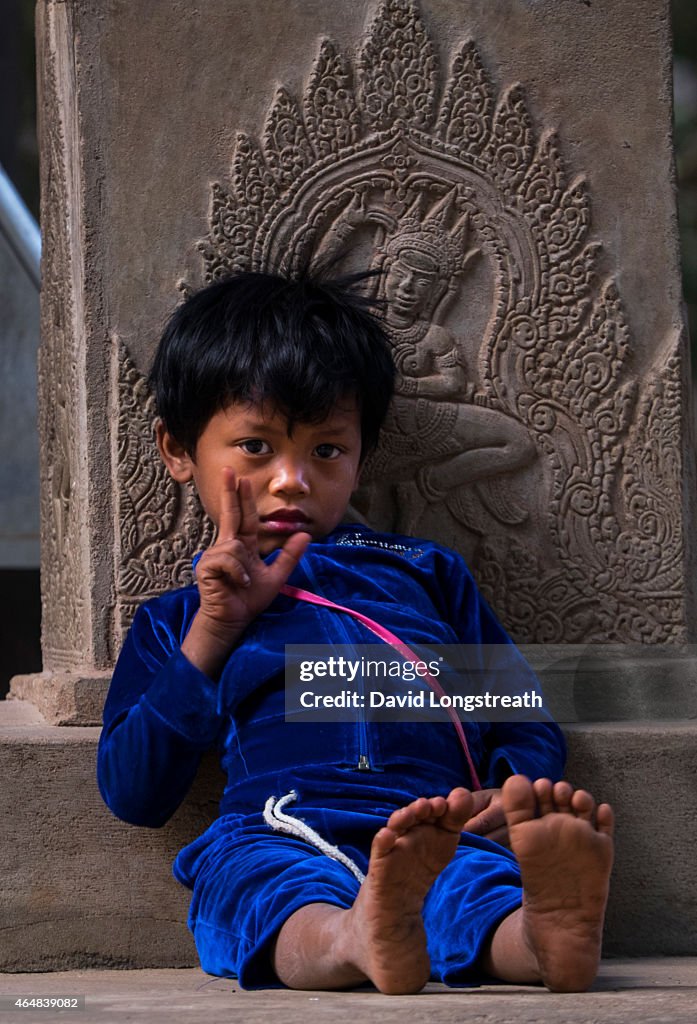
(600, 553)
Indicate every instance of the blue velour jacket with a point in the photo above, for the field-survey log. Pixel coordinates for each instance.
(162, 713)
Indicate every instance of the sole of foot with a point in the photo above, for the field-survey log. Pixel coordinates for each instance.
(564, 846)
(406, 857)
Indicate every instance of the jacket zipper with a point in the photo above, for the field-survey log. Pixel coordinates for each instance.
(363, 764)
(363, 741)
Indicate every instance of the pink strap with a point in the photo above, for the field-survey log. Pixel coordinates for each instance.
(406, 652)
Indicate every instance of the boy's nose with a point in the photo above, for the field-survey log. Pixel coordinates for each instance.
(290, 478)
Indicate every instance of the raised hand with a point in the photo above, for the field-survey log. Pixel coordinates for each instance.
(234, 584)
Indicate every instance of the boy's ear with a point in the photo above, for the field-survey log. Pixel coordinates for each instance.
(174, 455)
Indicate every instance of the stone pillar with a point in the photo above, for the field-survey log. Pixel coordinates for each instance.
(511, 173)
(74, 402)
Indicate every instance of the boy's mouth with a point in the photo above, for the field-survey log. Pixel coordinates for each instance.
(285, 520)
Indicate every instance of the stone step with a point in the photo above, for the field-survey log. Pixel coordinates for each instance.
(82, 889)
(635, 991)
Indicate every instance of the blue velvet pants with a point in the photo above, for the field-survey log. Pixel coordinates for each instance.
(247, 880)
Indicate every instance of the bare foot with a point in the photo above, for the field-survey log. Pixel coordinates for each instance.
(386, 934)
(565, 858)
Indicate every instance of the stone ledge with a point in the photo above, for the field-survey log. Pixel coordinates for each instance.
(80, 888)
(64, 699)
(625, 992)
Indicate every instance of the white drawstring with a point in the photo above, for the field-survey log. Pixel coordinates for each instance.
(276, 819)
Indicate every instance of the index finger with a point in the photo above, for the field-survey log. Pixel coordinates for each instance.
(230, 514)
(248, 526)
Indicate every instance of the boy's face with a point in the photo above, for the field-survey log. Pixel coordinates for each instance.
(301, 482)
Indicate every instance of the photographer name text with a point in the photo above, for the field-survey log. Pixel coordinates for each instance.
(420, 699)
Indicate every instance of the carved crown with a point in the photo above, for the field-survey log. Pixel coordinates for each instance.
(439, 232)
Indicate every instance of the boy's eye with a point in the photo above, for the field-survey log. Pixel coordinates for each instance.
(255, 446)
(327, 451)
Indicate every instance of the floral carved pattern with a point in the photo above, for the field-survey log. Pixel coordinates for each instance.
(161, 524)
(367, 145)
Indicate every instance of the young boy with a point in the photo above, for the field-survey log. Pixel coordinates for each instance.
(271, 394)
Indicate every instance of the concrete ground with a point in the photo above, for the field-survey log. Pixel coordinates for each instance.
(642, 991)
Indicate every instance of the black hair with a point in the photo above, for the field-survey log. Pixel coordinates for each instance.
(300, 344)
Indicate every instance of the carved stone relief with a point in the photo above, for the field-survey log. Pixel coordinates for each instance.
(518, 433)
(161, 524)
(62, 543)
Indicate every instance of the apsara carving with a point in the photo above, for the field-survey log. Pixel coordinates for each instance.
(514, 353)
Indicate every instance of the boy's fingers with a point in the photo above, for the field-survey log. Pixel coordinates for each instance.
(248, 526)
(289, 556)
(481, 800)
(230, 514)
(228, 568)
(218, 559)
(488, 820)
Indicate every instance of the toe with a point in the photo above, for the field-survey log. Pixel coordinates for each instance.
(460, 805)
(583, 804)
(401, 821)
(543, 793)
(562, 793)
(404, 818)
(605, 819)
(424, 810)
(383, 841)
(439, 806)
(519, 801)
(421, 808)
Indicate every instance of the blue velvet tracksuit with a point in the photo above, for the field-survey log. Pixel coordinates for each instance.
(162, 713)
